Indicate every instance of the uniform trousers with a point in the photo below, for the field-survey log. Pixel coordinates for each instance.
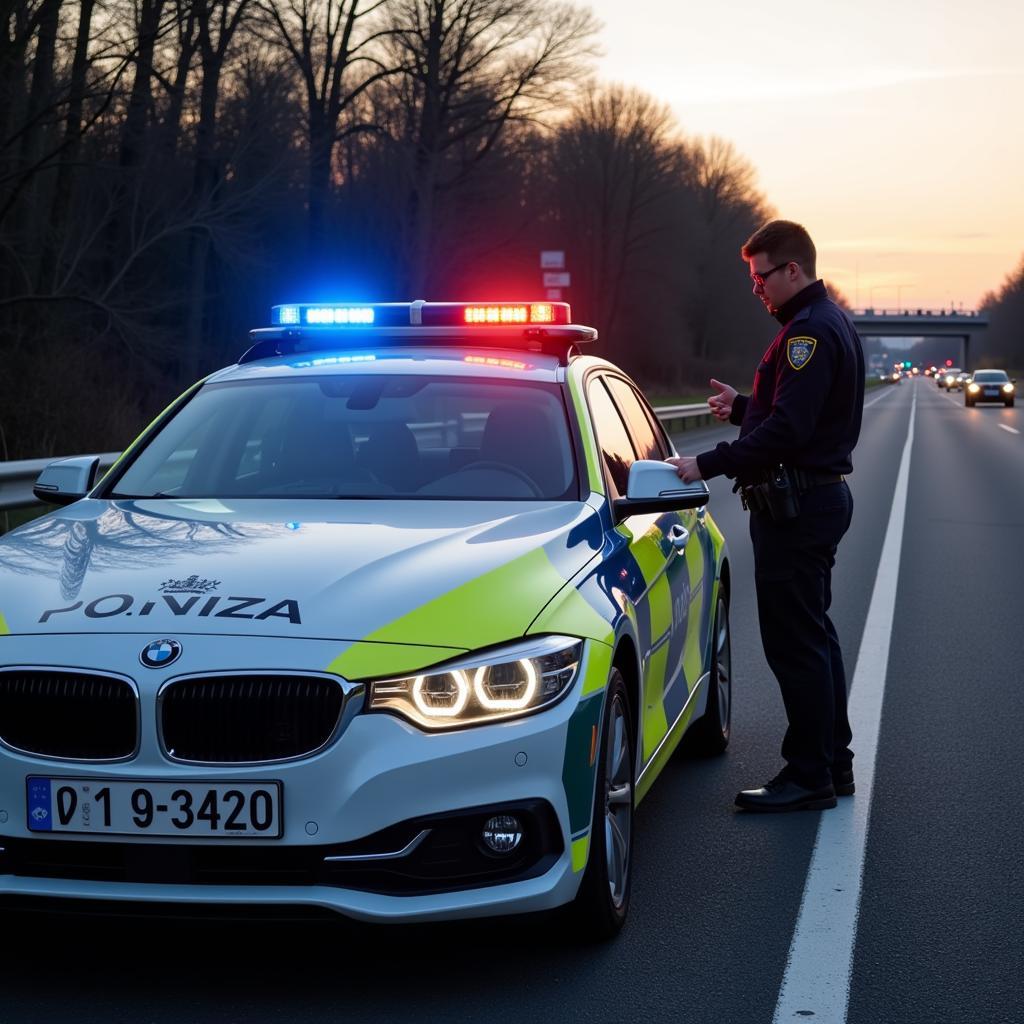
(793, 562)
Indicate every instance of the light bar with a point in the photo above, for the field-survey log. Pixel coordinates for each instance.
(416, 314)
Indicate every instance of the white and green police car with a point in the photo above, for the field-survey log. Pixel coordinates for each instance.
(400, 617)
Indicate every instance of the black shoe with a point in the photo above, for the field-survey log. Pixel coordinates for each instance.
(842, 782)
(783, 794)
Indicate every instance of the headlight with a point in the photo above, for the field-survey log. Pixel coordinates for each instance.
(1008, 388)
(973, 387)
(505, 683)
(949, 380)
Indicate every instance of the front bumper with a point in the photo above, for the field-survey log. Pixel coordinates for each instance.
(378, 773)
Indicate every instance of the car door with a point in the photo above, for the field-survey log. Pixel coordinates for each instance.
(659, 568)
(686, 547)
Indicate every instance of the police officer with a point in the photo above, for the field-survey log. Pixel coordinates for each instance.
(798, 429)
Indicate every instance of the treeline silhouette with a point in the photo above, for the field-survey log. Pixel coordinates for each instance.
(1003, 344)
(171, 168)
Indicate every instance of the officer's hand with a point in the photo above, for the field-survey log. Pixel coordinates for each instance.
(720, 403)
(686, 467)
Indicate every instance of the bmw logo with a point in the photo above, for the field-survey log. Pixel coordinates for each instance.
(160, 653)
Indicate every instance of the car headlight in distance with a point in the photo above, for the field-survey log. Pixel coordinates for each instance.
(973, 388)
(1008, 388)
(506, 682)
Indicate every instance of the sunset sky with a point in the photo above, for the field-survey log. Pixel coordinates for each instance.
(894, 131)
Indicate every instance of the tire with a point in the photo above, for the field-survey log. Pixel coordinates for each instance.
(709, 736)
(602, 903)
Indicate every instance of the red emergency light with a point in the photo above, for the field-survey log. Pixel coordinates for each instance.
(507, 313)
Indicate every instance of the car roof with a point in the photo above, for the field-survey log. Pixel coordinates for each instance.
(489, 363)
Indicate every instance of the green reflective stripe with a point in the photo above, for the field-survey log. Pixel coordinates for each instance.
(363, 660)
(599, 664)
(655, 721)
(571, 614)
(512, 588)
(580, 849)
(156, 419)
(693, 663)
(4, 631)
(652, 562)
(589, 445)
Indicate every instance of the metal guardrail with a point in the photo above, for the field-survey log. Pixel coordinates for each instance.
(17, 478)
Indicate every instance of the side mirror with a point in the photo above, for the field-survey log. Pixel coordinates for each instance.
(655, 487)
(66, 480)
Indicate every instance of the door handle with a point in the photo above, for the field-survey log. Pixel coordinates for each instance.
(679, 536)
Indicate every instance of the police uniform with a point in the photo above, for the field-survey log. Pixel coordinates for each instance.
(804, 413)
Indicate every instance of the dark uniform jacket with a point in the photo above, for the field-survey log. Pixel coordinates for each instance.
(805, 409)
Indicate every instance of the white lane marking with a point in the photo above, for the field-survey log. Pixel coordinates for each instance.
(867, 405)
(816, 983)
(1003, 426)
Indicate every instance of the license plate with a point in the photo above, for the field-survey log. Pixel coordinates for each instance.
(143, 807)
(991, 392)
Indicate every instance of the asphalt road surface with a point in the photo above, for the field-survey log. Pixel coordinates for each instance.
(717, 894)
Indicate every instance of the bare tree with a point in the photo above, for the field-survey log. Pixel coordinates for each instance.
(614, 163)
(469, 69)
(333, 45)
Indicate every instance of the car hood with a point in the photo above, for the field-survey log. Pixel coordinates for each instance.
(446, 573)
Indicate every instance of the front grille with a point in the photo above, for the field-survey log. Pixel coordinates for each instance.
(248, 718)
(450, 859)
(68, 714)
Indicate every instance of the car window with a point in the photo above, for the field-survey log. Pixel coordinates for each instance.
(612, 437)
(355, 435)
(646, 442)
(991, 376)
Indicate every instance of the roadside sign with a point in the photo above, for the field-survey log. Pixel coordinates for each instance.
(552, 259)
(556, 280)
(554, 294)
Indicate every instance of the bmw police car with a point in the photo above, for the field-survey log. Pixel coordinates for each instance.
(400, 616)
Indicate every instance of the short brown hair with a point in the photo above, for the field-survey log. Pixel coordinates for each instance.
(783, 241)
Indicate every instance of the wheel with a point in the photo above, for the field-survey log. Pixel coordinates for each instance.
(600, 908)
(709, 736)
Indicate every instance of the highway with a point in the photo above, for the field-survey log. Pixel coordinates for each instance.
(935, 934)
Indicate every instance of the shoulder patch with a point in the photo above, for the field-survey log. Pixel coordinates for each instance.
(799, 351)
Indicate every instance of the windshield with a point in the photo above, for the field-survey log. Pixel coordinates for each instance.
(991, 377)
(361, 436)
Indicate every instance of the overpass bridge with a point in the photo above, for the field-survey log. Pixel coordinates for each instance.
(962, 325)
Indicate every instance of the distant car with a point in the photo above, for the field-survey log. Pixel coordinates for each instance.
(990, 386)
(891, 377)
(947, 377)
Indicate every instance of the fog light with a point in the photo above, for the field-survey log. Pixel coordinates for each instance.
(502, 833)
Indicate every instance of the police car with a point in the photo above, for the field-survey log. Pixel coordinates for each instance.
(400, 616)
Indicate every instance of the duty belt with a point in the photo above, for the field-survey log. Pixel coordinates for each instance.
(755, 496)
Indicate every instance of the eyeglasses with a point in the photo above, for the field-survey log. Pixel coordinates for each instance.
(759, 279)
